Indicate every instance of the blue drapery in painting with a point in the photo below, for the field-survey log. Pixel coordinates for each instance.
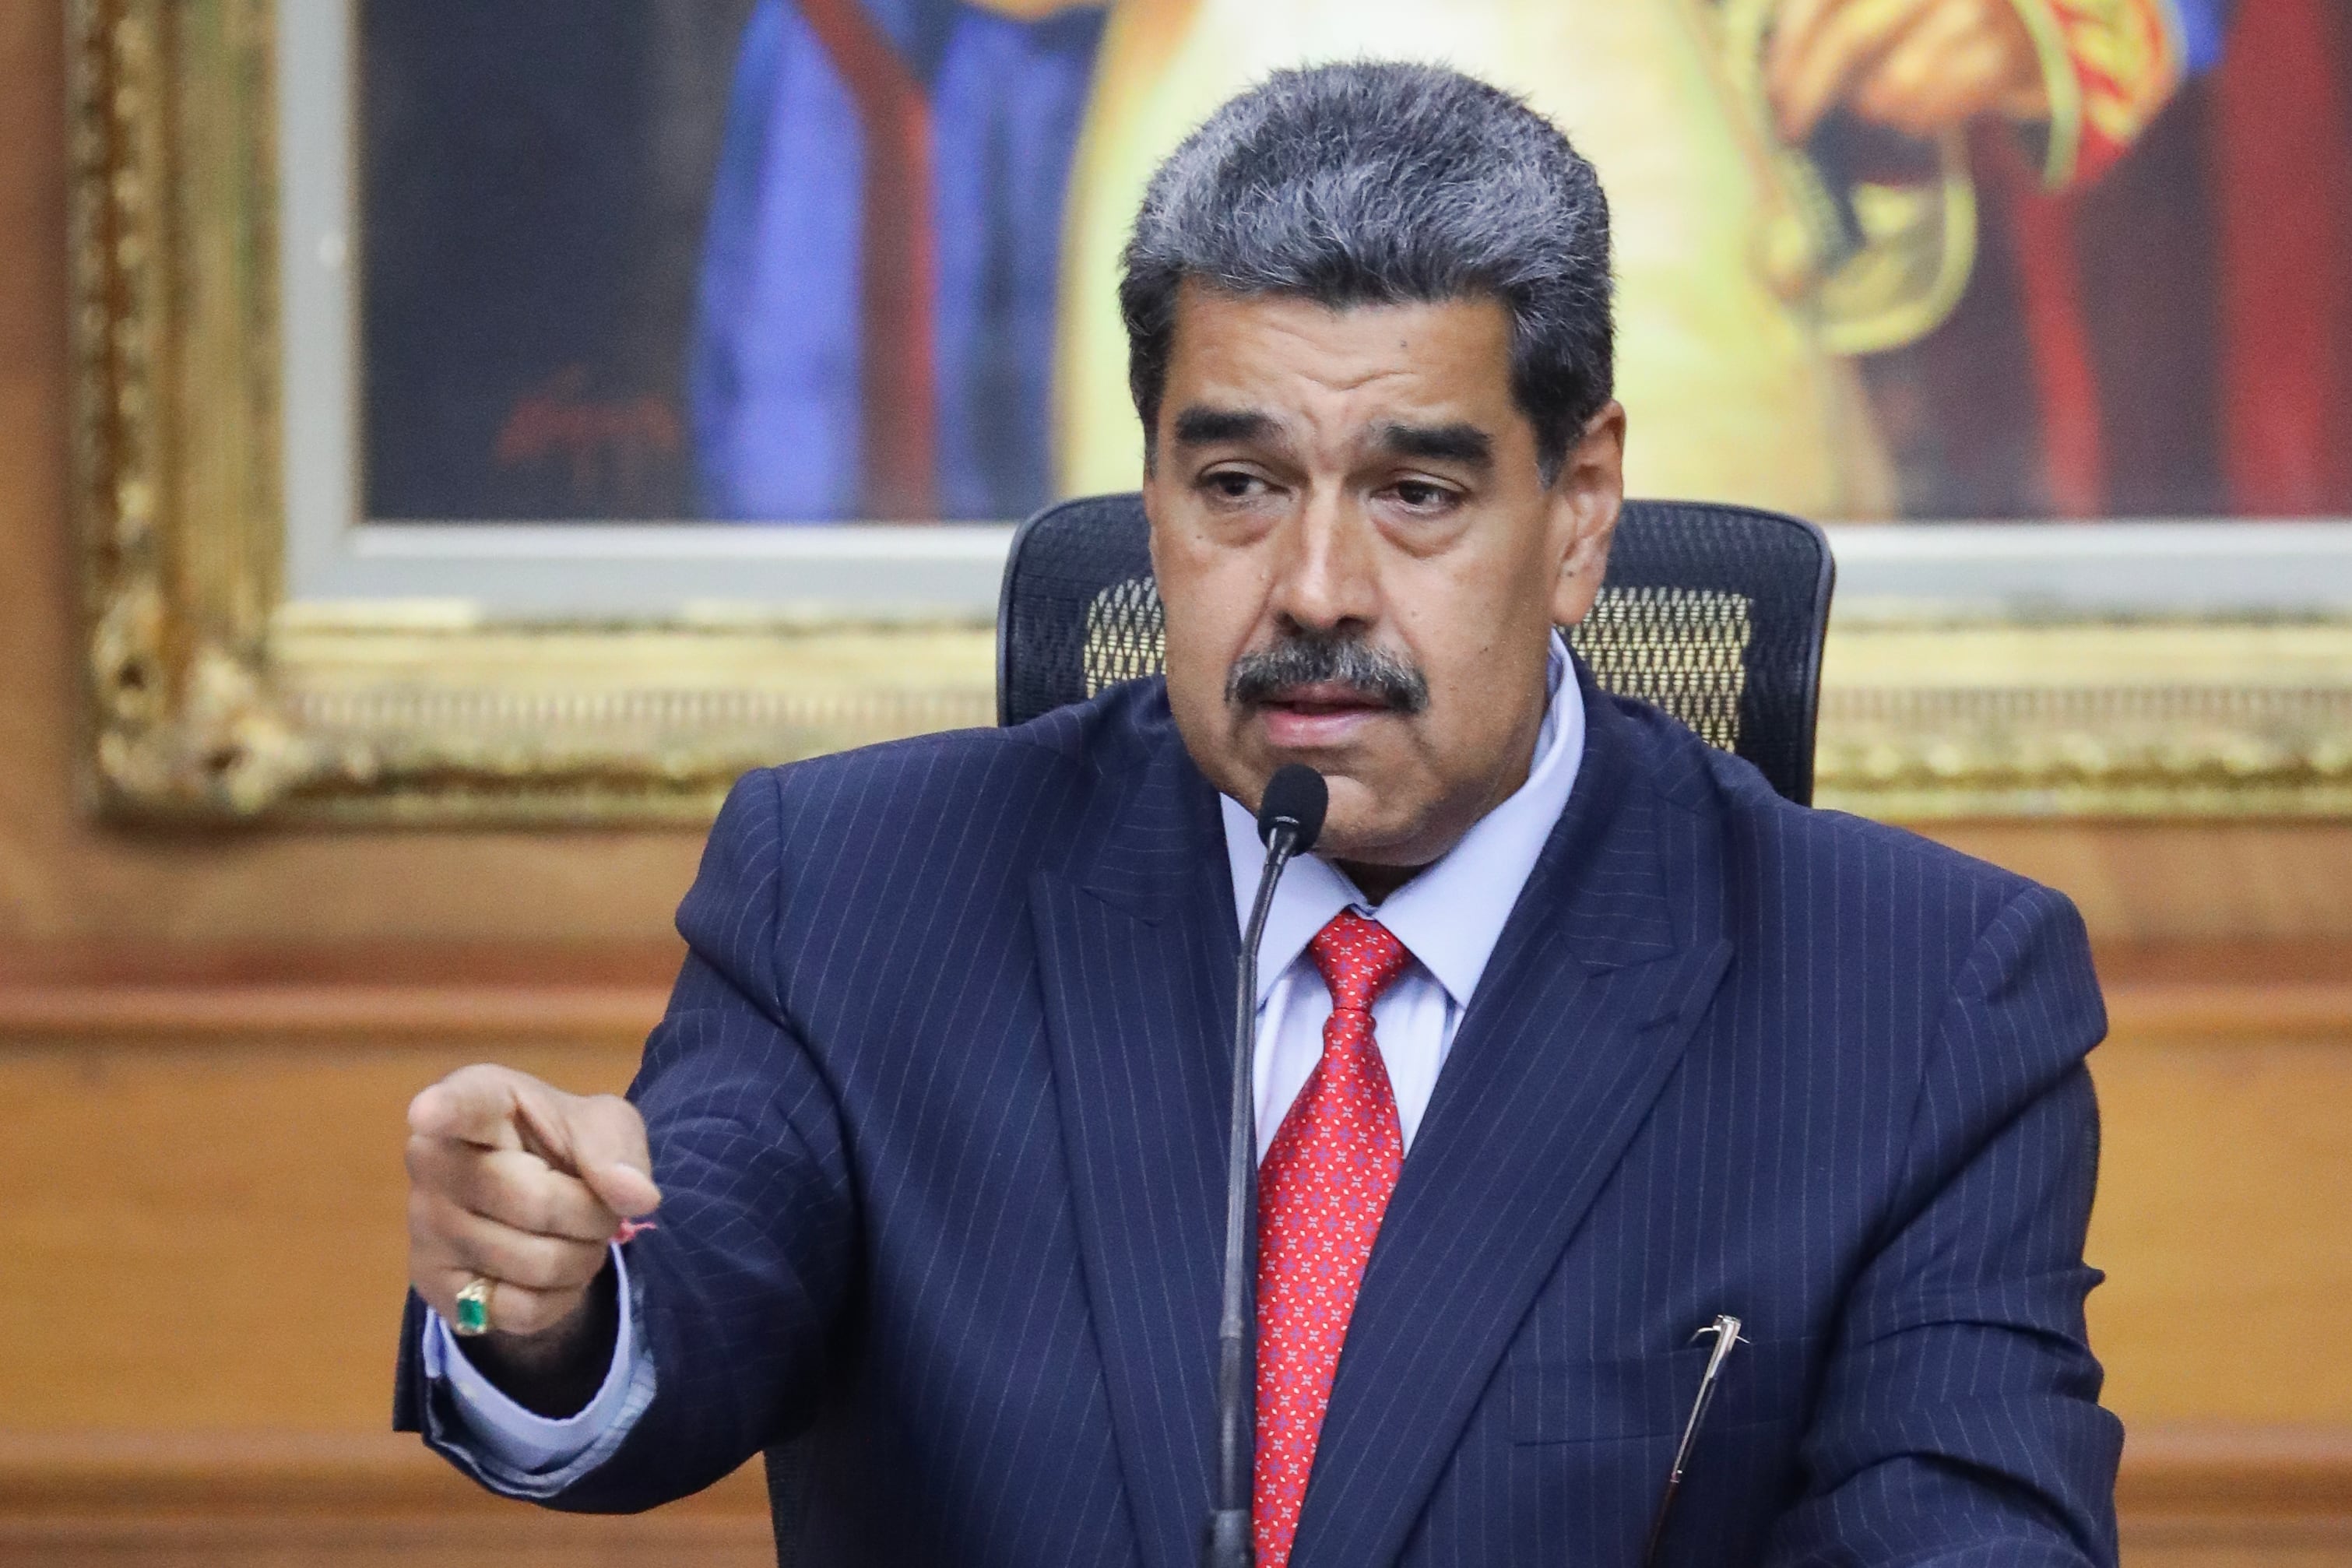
(776, 353)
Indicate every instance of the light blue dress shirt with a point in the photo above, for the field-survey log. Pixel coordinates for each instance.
(1448, 916)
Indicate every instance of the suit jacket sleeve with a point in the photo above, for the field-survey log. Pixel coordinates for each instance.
(1959, 1421)
(740, 1290)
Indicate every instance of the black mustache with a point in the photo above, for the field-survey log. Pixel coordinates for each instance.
(1304, 659)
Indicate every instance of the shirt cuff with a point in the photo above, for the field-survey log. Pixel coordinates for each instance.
(517, 1437)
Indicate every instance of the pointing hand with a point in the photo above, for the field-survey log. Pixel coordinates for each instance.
(514, 1180)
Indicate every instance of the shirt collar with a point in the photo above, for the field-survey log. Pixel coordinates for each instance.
(1451, 915)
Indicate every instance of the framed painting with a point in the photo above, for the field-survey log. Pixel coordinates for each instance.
(546, 410)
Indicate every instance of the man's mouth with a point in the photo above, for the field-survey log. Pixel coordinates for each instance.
(1328, 696)
(1323, 714)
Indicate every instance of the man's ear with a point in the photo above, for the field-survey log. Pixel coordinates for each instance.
(1585, 500)
(1149, 489)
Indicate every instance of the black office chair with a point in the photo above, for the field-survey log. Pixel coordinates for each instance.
(1715, 614)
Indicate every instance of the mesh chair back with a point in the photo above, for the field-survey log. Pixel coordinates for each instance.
(1715, 614)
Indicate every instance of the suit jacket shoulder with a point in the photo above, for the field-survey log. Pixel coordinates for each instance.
(1946, 967)
(908, 847)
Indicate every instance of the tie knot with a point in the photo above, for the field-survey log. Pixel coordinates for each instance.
(1358, 958)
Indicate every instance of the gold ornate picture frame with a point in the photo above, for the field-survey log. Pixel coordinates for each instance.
(1995, 670)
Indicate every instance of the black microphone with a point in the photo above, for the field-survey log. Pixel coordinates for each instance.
(1288, 819)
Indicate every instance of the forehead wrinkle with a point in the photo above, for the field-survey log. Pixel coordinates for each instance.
(1294, 339)
(1333, 380)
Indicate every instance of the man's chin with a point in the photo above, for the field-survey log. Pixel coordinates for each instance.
(1362, 824)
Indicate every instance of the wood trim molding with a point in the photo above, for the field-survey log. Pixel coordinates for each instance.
(2212, 1473)
(2218, 994)
(2229, 992)
(2225, 1472)
(419, 993)
(344, 1014)
(2222, 1013)
(265, 1475)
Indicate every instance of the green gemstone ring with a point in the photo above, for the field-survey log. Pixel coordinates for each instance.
(474, 1307)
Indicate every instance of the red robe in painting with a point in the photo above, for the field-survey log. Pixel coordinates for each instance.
(2170, 334)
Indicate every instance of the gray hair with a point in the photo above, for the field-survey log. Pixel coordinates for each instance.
(1369, 183)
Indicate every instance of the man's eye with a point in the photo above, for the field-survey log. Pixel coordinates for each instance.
(1234, 486)
(1421, 495)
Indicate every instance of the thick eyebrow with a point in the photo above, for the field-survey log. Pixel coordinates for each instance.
(1465, 444)
(1202, 426)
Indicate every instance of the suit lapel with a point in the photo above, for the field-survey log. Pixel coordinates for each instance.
(1135, 944)
(1595, 985)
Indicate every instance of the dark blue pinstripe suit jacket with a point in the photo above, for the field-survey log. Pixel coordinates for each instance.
(938, 1110)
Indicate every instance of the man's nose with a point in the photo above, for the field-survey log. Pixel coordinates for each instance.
(1325, 577)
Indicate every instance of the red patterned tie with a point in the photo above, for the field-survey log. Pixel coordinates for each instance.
(1321, 1192)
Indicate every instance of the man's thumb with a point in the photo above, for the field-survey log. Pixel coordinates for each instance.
(608, 1151)
(622, 1187)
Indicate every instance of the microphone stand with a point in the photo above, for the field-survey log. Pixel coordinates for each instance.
(1229, 1544)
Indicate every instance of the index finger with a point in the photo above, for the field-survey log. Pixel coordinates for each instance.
(477, 1105)
(601, 1139)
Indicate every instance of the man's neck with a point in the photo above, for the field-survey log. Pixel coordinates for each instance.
(1377, 882)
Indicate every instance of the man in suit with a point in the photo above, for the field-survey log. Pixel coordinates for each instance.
(1576, 1034)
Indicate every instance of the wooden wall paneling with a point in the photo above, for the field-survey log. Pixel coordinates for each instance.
(177, 1142)
(2225, 1189)
(228, 1500)
(188, 1145)
(208, 1236)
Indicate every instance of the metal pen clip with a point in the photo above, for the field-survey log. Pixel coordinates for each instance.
(1725, 1329)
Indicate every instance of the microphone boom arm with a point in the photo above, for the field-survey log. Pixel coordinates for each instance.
(1289, 819)
(1229, 1544)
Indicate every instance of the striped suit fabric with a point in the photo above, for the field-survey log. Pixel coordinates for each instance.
(939, 1113)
